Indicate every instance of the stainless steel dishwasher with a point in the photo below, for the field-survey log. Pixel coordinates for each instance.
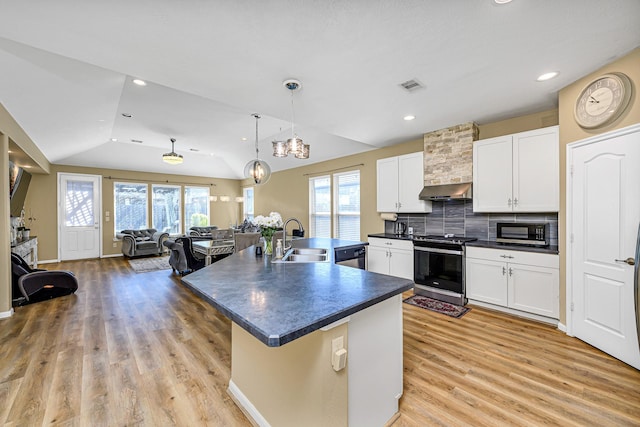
(353, 256)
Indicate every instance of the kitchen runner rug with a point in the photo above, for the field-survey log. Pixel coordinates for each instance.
(144, 265)
(437, 306)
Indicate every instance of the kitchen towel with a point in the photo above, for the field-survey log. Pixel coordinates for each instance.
(389, 216)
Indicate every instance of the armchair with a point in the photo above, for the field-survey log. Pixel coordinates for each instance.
(142, 242)
(195, 261)
(32, 285)
(202, 233)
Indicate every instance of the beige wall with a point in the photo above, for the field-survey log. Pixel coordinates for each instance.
(5, 236)
(42, 198)
(571, 132)
(300, 378)
(287, 192)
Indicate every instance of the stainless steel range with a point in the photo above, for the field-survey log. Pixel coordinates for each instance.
(438, 267)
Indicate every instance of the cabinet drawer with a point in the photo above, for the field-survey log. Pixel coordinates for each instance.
(391, 243)
(514, 257)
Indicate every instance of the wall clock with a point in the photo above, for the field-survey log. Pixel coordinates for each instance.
(603, 100)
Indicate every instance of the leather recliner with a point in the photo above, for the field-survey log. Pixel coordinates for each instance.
(31, 285)
(142, 242)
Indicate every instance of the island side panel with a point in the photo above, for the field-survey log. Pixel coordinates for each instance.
(375, 363)
(291, 385)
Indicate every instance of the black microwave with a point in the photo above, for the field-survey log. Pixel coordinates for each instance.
(523, 233)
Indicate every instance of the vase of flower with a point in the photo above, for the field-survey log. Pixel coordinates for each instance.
(268, 226)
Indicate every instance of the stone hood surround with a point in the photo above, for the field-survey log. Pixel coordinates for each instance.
(448, 162)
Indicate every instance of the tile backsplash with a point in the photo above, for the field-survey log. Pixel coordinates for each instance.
(457, 217)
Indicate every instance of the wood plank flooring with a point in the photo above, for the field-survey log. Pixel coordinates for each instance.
(141, 349)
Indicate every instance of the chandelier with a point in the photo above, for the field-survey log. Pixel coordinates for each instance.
(258, 170)
(293, 145)
(172, 158)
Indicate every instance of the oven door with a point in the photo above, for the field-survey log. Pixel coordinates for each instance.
(439, 268)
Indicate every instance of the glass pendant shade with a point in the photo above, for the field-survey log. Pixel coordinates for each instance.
(280, 149)
(294, 145)
(305, 152)
(258, 171)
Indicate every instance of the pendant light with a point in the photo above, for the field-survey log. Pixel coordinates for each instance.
(258, 170)
(172, 158)
(293, 145)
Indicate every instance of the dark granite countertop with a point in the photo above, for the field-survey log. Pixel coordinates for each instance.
(511, 247)
(279, 302)
(392, 236)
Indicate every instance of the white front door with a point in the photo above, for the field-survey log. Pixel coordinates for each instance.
(79, 209)
(604, 215)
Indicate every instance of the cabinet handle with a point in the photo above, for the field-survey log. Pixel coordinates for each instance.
(515, 202)
(510, 272)
(509, 202)
(504, 271)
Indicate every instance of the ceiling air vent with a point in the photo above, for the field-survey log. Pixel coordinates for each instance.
(411, 85)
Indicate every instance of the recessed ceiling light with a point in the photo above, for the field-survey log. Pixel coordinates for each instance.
(127, 115)
(409, 117)
(547, 76)
(140, 82)
(114, 139)
(502, 1)
(243, 139)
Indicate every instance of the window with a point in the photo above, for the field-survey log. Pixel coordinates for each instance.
(247, 206)
(196, 207)
(320, 206)
(130, 201)
(165, 211)
(346, 207)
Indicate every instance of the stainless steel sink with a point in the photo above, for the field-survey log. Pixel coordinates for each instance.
(308, 251)
(305, 255)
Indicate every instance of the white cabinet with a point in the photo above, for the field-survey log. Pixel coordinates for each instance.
(399, 182)
(523, 281)
(517, 173)
(390, 256)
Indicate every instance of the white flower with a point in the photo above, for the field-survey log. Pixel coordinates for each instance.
(274, 220)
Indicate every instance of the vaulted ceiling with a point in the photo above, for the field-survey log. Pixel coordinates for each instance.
(67, 70)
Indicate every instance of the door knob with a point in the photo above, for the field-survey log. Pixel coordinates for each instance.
(629, 261)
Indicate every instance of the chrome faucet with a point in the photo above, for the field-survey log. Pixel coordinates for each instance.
(284, 233)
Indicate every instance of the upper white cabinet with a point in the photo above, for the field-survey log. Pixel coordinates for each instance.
(517, 173)
(400, 180)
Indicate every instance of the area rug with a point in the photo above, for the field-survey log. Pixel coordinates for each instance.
(437, 306)
(144, 265)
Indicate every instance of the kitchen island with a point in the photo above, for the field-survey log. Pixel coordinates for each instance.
(288, 321)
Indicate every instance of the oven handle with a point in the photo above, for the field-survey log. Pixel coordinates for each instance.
(437, 250)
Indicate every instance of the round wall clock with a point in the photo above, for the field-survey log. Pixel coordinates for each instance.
(603, 100)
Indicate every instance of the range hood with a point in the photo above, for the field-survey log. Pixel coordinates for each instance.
(447, 191)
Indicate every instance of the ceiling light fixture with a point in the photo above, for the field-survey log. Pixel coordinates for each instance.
(409, 117)
(547, 76)
(293, 145)
(172, 158)
(502, 1)
(258, 170)
(140, 82)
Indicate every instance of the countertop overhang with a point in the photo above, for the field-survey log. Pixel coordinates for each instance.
(280, 302)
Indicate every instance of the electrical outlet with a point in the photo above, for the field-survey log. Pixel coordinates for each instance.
(115, 245)
(337, 344)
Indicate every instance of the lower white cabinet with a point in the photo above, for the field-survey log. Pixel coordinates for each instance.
(390, 256)
(524, 281)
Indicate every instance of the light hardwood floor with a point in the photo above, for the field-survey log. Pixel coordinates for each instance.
(141, 349)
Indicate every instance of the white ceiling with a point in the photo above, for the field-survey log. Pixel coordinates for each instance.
(67, 69)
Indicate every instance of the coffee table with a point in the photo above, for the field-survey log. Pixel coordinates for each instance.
(210, 248)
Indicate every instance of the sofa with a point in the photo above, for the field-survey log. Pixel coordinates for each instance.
(143, 242)
(201, 233)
